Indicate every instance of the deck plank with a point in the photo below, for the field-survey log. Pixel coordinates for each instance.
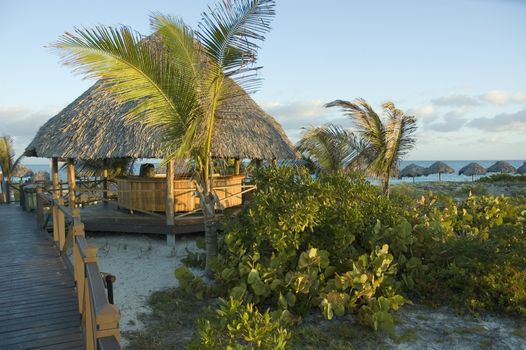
(38, 307)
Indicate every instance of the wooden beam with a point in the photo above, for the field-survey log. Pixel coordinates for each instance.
(56, 195)
(237, 166)
(170, 234)
(105, 178)
(71, 182)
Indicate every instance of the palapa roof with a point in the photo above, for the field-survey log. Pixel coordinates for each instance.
(501, 167)
(522, 169)
(41, 176)
(412, 170)
(94, 127)
(21, 171)
(439, 168)
(472, 169)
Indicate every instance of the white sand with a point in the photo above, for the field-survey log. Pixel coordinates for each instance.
(142, 264)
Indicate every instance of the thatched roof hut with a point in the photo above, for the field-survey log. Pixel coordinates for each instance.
(41, 176)
(439, 168)
(94, 127)
(21, 171)
(472, 169)
(501, 167)
(412, 170)
(522, 169)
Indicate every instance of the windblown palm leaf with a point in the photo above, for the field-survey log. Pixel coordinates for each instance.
(7, 155)
(387, 142)
(331, 148)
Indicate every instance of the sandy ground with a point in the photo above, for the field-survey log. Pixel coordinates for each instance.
(142, 264)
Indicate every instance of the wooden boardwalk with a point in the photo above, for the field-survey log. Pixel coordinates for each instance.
(38, 302)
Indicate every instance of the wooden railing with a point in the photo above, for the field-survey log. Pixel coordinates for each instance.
(99, 318)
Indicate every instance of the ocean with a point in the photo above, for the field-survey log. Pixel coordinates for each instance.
(455, 164)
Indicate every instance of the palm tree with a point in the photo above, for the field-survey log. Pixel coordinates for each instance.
(331, 148)
(179, 77)
(387, 139)
(7, 165)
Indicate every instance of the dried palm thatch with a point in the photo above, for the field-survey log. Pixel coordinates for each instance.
(472, 169)
(522, 169)
(21, 171)
(412, 170)
(41, 176)
(439, 168)
(501, 167)
(94, 127)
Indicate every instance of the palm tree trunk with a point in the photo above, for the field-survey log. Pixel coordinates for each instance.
(386, 185)
(208, 206)
(7, 192)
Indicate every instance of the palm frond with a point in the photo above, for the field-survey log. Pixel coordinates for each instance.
(7, 155)
(230, 34)
(330, 148)
(135, 72)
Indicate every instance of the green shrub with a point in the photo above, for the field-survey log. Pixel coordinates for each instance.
(503, 178)
(238, 325)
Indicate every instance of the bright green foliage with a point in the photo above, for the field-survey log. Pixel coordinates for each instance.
(240, 326)
(300, 237)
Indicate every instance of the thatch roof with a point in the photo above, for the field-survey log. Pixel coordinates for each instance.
(94, 127)
(41, 176)
(439, 168)
(522, 169)
(472, 169)
(21, 171)
(501, 167)
(412, 170)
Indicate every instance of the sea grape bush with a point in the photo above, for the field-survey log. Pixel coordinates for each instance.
(337, 245)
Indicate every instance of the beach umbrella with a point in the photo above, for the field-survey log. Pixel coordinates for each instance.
(522, 169)
(472, 169)
(41, 176)
(412, 170)
(501, 167)
(439, 168)
(22, 171)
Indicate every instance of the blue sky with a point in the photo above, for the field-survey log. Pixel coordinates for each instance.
(458, 66)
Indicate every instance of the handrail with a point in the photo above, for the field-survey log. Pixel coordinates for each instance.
(99, 318)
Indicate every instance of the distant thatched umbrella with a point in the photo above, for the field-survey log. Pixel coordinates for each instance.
(522, 169)
(472, 169)
(439, 168)
(41, 176)
(501, 167)
(22, 171)
(412, 170)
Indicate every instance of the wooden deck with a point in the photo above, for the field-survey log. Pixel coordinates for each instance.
(38, 302)
(107, 217)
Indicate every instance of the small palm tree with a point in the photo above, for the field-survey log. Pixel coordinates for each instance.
(7, 164)
(179, 77)
(331, 148)
(387, 139)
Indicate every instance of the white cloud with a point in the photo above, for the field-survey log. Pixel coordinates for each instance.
(500, 97)
(22, 123)
(501, 122)
(455, 100)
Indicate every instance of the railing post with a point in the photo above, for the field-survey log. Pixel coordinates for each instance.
(40, 208)
(61, 226)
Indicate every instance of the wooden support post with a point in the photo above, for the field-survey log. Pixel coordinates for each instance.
(56, 196)
(40, 208)
(259, 162)
(61, 226)
(71, 183)
(237, 166)
(105, 179)
(170, 234)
